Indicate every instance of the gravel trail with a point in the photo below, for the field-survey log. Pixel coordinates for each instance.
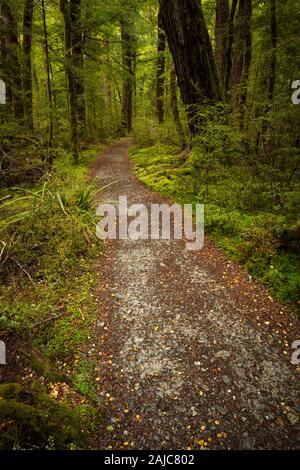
(193, 354)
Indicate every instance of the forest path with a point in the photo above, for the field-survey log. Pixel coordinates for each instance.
(193, 353)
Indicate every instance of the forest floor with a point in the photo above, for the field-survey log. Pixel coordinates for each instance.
(193, 354)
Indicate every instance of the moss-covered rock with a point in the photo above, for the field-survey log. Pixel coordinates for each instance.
(32, 420)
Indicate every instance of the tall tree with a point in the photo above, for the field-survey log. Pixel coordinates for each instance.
(230, 34)
(77, 58)
(190, 45)
(175, 109)
(27, 61)
(264, 138)
(48, 70)
(128, 43)
(65, 10)
(221, 37)
(242, 54)
(273, 57)
(161, 65)
(10, 48)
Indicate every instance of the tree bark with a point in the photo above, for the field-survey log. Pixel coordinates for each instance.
(241, 59)
(262, 135)
(128, 73)
(192, 53)
(65, 10)
(273, 58)
(230, 45)
(10, 47)
(27, 61)
(174, 108)
(221, 37)
(78, 61)
(161, 64)
(49, 86)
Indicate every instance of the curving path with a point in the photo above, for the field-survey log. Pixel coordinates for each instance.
(192, 353)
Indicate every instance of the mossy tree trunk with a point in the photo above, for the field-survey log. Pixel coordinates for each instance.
(160, 76)
(221, 37)
(242, 55)
(27, 61)
(78, 61)
(230, 35)
(273, 56)
(128, 42)
(49, 85)
(175, 109)
(65, 9)
(11, 69)
(190, 45)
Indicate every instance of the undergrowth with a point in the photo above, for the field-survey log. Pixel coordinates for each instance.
(48, 247)
(251, 210)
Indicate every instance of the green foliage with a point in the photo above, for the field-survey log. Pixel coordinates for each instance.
(154, 166)
(83, 380)
(33, 420)
(147, 132)
(251, 211)
(49, 244)
(49, 226)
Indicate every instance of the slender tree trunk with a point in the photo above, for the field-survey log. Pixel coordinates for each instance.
(27, 61)
(65, 9)
(263, 136)
(161, 64)
(230, 44)
(49, 87)
(4, 66)
(221, 37)
(107, 98)
(174, 108)
(241, 59)
(273, 58)
(192, 53)
(10, 59)
(78, 61)
(128, 78)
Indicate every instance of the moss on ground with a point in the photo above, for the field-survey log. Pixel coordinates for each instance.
(35, 420)
(48, 310)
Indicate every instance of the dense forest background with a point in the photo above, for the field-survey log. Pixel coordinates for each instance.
(205, 91)
(78, 72)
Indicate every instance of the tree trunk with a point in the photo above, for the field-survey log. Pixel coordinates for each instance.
(49, 87)
(10, 59)
(273, 58)
(263, 137)
(221, 37)
(27, 61)
(3, 75)
(230, 44)
(192, 53)
(78, 61)
(174, 108)
(241, 59)
(161, 63)
(65, 9)
(5, 16)
(128, 78)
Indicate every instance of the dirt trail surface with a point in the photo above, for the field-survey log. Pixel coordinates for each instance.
(192, 352)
